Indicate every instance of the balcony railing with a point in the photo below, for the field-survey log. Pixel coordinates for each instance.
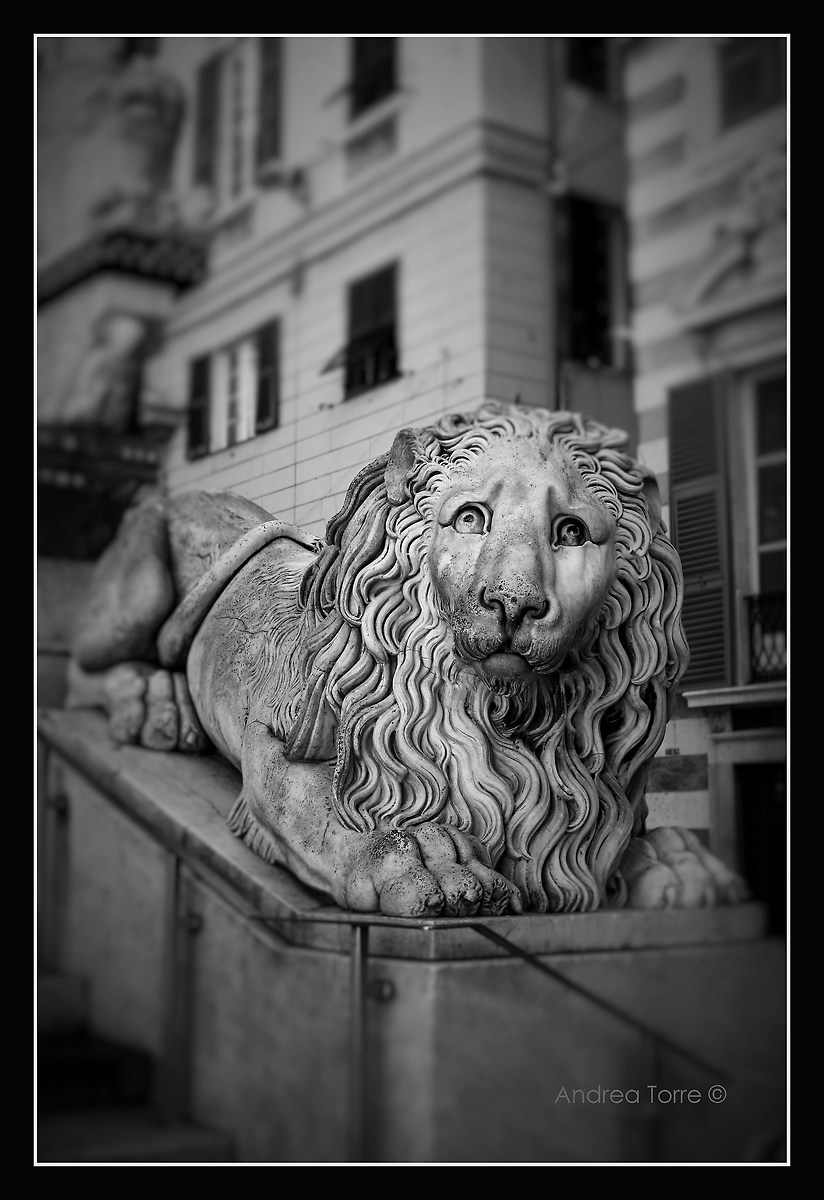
(768, 637)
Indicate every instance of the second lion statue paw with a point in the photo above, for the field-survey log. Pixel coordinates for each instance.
(670, 868)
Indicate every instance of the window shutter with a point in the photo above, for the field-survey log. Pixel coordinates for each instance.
(372, 303)
(698, 501)
(269, 100)
(268, 377)
(207, 109)
(197, 442)
(371, 352)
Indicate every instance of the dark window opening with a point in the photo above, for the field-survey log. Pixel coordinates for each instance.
(138, 47)
(371, 351)
(267, 410)
(373, 72)
(762, 819)
(207, 116)
(269, 100)
(587, 281)
(588, 63)
(771, 476)
(753, 78)
(771, 402)
(197, 439)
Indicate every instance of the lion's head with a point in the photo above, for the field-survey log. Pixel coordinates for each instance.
(489, 637)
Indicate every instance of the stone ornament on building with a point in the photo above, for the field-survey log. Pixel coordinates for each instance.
(106, 389)
(107, 136)
(449, 705)
(748, 250)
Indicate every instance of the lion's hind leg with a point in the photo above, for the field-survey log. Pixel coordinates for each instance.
(146, 705)
(132, 593)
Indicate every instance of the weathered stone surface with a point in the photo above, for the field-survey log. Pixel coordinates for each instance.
(465, 1053)
(449, 706)
(183, 804)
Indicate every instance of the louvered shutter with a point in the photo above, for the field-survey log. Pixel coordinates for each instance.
(207, 110)
(699, 518)
(269, 101)
(197, 442)
(268, 377)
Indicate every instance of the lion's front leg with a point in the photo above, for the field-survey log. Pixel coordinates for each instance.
(427, 870)
(670, 868)
(285, 812)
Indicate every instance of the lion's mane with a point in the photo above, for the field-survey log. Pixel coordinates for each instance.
(550, 774)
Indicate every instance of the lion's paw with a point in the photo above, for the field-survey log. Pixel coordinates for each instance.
(425, 871)
(153, 708)
(670, 868)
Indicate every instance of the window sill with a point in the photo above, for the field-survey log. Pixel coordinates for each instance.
(757, 139)
(232, 211)
(372, 387)
(733, 697)
(703, 313)
(374, 116)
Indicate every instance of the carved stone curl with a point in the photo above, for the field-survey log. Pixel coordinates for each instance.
(450, 704)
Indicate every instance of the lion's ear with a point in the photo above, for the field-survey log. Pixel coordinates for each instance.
(400, 465)
(652, 495)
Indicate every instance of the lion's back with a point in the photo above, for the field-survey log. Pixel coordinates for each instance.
(203, 525)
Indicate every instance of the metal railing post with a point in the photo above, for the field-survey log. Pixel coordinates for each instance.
(359, 955)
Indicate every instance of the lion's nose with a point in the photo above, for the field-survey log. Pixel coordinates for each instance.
(514, 599)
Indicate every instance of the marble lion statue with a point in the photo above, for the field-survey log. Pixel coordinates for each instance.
(449, 705)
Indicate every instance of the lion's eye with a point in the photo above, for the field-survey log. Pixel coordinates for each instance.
(571, 532)
(471, 519)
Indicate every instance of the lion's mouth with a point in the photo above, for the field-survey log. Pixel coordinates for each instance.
(506, 664)
(503, 662)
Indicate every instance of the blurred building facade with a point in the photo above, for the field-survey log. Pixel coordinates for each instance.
(707, 166)
(262, 256)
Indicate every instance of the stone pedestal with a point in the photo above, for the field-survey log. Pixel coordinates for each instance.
(313, 1035)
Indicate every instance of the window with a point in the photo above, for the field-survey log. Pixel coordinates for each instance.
(373, 72)
(138, 47)
(370, 356)
(592, 283)
(753, 78)
(269, 132)
(728, 517)
(206, 123)
(234, 393)
(371, 351)
(238, 117)
(197, 440)
(767, 601)
(588, 63)
(770, 403)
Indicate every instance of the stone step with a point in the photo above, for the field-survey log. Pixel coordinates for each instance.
(132, 1134)
(62, 1004)
(79, 1070)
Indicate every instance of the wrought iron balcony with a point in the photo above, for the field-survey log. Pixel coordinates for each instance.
(768, 636)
